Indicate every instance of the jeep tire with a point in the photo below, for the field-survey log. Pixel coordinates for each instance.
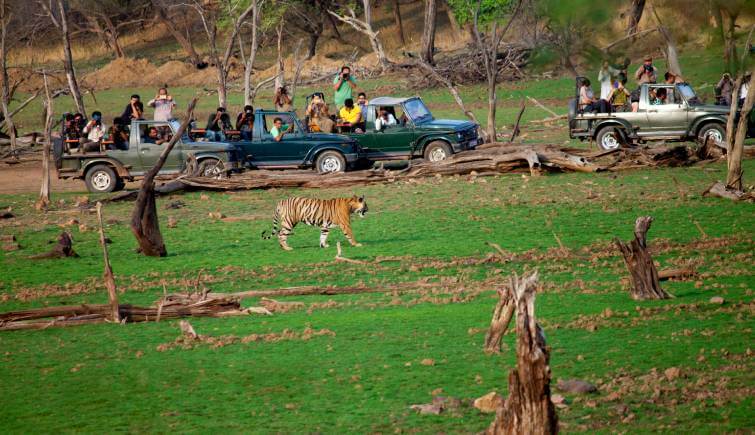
(714, 131)
(330, 161)
(211, 168)
(102, 179)
(609, 138)
(437, 150)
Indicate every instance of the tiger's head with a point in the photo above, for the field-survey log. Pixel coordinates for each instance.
(358, 205)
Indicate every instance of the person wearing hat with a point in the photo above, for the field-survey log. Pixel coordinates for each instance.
(646, 73)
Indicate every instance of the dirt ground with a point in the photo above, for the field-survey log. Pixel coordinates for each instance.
(26, 177)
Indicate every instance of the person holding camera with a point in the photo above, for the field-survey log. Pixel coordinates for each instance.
(281, 100)
(94, 130)
(343, 85)
(217, 124)
(646, 73)
(163, 104)
(724, 89)
(245, 122)
(134, 109)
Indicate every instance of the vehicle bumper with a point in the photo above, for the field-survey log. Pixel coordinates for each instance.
(352, 157)
(464, 146)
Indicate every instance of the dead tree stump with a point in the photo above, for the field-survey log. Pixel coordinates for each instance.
(502, 314)
(107, 275)
(144, 223)
(643, 275)
(528, 408)
(64, 248)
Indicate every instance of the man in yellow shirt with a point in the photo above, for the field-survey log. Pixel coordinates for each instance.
(349, 113)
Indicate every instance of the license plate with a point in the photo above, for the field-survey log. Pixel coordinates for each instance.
(472, 143)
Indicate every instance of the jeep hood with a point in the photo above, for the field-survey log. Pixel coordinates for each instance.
(447, 124)
(711, 108)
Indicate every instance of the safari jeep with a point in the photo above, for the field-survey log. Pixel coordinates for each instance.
(681, 116)
(297, 148)
(416, 133)
(106, 170)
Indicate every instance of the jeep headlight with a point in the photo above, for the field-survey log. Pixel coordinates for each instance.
(459, 135)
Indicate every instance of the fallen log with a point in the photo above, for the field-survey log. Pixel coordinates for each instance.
(682, 272)
(720, 190)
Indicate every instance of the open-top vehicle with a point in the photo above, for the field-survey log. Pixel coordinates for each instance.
(298, 148)
(678, 116)
(415, 133)
(105, 170)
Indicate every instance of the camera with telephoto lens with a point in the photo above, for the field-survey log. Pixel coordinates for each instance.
(648, 68)
(345, 76)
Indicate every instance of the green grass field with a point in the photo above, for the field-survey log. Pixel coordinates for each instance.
(365, 376)
(366, 368)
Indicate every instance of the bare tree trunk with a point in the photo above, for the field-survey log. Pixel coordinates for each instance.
(528, 408)
(399, 23)
(280, 70)
(502, 314)
(249, 65)
(492, 106)
(730, 42)
(366, 28)
(107, 274)
(643, 275)
(112, 34)
(635, 15)
(672, 56)
(185, 43)
(731, 120)
(144, 223)
(734, 157)
(8, 117)
(222, 87)
(73, 84)
(43, 203)
(428, 34)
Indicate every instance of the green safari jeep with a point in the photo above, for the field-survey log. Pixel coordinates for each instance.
(415, 133)
(105, 171)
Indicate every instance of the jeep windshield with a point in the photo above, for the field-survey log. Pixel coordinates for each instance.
(417, 111)
(688, 93)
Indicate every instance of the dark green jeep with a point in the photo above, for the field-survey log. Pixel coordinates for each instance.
(106, 170)
(408, 130)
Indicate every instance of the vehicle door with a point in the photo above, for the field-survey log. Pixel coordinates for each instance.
(150, 150)
(393, 141)
(255, 150)
(291, 149)
(666, 115)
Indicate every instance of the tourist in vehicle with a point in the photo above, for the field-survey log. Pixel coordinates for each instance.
(646, 73)
(588, 101)
(349, 113)
(163, 104)
(279, 129)
(744, 88)
(134, 109)
(619, 96)
(153, 136)
(318, 115)
(281, 100)
(343, 85)
(362, 103)
(634, 99)
(94, 130)
(217, 124)
(724, 88)
(671, 78)
(119, 134)
(245, 122)
(385, 119)
(658, 97)
(605, 77)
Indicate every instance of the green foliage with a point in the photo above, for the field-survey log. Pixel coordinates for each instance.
(490, 10)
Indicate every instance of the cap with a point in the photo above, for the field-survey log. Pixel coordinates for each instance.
(648, 58)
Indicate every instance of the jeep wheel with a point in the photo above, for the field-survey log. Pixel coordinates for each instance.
(330, 161)
(101, 179)
(713, 132)
(437, 151)
(609, 138)
(211, 168)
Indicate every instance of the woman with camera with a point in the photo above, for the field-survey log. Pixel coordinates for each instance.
(163, 104)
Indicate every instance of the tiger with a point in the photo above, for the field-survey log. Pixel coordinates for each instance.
(324, 213)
